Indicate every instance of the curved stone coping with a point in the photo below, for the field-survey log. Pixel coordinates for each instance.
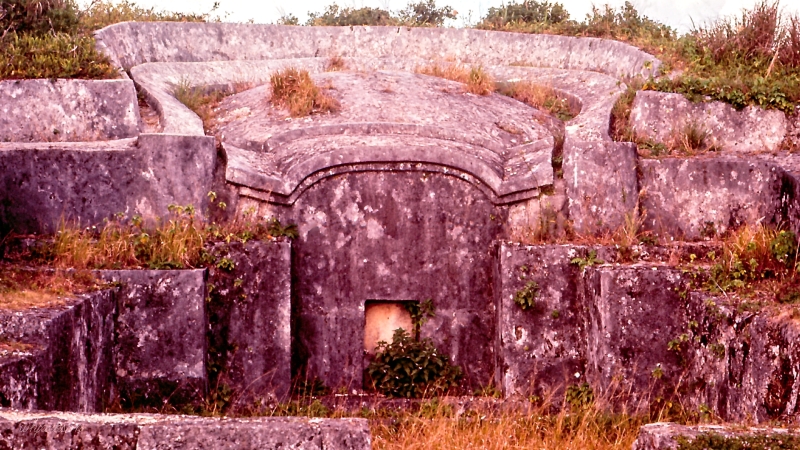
(184, 42)
(20, 429)
(596, 93)
(61, 110)
(528, 167)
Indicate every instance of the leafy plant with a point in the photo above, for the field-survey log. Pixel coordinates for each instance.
(420, 313)
(590, 260)
(579, 396)
(526, 297)
(411, 368)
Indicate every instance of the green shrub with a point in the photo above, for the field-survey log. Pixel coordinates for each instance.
(37, 16)
(525, 13)
(411, 368)
(52, 55)
(422, 14)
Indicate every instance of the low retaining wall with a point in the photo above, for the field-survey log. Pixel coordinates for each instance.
(57, 431)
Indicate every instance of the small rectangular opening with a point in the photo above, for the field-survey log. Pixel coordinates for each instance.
(382, 318)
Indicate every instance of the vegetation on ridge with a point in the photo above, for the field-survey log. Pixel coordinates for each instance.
(53, 38)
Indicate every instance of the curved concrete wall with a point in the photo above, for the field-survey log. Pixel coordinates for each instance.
(133, 43)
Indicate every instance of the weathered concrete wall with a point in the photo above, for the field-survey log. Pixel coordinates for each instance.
(691, 198)
(87, 182)
(160, 336)
(249, 311)
(70, 366)
(60, 431)
(602, 185)
(665, 117)
(391, 236)
(540, 350)
(67, 110)
(183, 42)
(634, 312)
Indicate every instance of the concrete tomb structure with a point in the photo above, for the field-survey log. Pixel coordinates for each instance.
(414, 189)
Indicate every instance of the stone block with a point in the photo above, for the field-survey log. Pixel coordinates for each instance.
(695, 198)
(634, 312)
(541, 349)
(602, 185)
(249, 319)
(67, 110)
(41, 184)
(663, 116)
(160, 345)
(69, 365)
(66, 431)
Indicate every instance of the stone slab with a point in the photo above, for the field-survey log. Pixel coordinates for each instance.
(602, 184)
(65, 431)
(249, 312)
(661, 116)
(41, 184)
(666, 435)
(67, 110)
(160, 336)
(695, 198)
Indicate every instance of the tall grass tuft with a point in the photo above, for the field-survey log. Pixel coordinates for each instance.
(295, 90)
(476, 79)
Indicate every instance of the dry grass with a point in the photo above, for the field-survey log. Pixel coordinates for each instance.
(335, 64)
(22, 289)
(295, 90)
(541, 97)
(442, 429)
(477, 80)
(14, 346)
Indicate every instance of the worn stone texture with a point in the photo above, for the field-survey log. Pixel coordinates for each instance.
(694, 198)
(249, 313)
(67, 110)
(41, 184)
(602, 185)
(160, 336)
(664, 116)
(70, 365)
(541, 349)
(391, 236)
(664, 435)
(386, 117)
(57, 431)
(185, 42)
(634, 312)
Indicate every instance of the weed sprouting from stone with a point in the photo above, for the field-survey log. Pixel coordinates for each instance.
(526, 297)
(540, 96)
(591, 259)
(476, 79)
(294, 90)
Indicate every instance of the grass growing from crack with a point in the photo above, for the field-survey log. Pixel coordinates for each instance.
(294, 90)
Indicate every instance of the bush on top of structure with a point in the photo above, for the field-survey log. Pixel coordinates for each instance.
(422, 14)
